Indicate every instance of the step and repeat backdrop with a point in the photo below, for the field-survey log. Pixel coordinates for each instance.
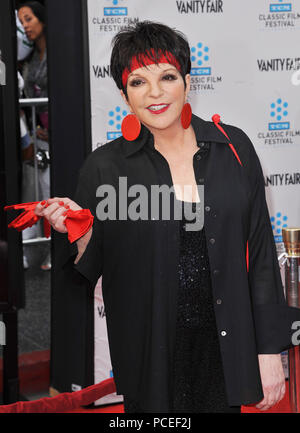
(245, 66)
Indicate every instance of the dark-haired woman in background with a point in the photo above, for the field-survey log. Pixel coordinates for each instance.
(34, 72)
(32, 17)
(190, 330)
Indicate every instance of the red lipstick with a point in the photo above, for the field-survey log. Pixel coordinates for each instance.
(155, 111)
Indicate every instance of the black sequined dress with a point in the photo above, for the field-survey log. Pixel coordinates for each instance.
(198, 371)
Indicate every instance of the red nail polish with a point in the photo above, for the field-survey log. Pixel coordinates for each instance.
(61, 203)
(67, 207)
(43, 203)
(65, 214)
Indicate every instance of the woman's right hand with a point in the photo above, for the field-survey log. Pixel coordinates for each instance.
(54, 211)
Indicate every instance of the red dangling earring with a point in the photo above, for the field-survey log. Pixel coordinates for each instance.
(186, 115)
(131, 127)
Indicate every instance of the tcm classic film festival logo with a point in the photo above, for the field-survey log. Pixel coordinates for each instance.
(115, 118)
(280, 14)
(114, 16)
(278, 130)
(278, 222)
(202, 78)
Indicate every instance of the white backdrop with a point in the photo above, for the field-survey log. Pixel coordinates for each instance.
(244, 53)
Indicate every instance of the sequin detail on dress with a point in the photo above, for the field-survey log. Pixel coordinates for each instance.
(198, 371)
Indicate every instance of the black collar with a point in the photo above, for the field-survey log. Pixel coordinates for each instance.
(204, 131)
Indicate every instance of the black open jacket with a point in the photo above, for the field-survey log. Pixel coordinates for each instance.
(138, 262)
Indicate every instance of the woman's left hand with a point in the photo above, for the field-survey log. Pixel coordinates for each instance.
(273, 380)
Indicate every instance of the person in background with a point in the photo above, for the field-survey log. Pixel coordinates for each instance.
(32, 17)
(24, 49)
(24, 45)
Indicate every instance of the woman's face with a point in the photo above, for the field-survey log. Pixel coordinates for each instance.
(156, 95)
(33, 27)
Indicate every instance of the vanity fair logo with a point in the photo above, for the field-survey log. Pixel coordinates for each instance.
(101, 71)
(101, 311)
(290, 65)
(279, 131)
(282, 179)
(202, 78)
(115, 16)
(200, 6)
(279, 14)
(279, 64)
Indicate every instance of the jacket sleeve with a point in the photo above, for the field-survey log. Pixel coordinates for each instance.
(91, 263)
(272, 316)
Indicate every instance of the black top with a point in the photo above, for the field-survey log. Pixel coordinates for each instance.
(138, 261)
(198, 376)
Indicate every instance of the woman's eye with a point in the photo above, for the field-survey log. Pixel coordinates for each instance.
(169, 77)
(135, 83)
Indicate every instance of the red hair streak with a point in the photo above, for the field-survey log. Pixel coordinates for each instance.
(146, 60)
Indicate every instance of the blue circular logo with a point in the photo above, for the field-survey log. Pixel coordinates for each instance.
(200, 54)
(115, 117)
(278, 223)
(279, 109)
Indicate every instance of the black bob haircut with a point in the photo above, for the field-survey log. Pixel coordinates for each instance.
(150, 39)
(37, 8)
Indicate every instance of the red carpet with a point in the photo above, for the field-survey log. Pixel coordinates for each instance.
(34, 371)
(282, 407)
(77, 402)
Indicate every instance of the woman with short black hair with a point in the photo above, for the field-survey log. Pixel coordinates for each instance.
(153, 39)
(195, 309)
